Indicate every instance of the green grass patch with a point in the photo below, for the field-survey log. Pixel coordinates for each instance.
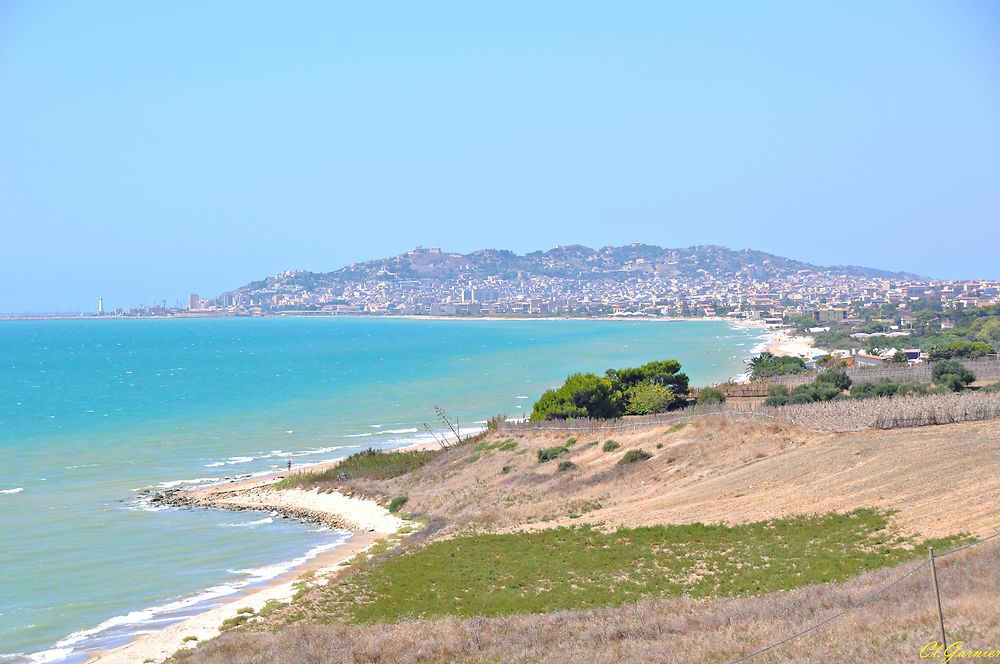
(507, 445)
(246, 609)
(551, 453)
(570, 442)
(189, 637)
(235, 621)
(370, 464)
(610, 445)
(472, 459)
(582, 568)
(675, 428)
(634, 456)
(396, 503)
(270, 607)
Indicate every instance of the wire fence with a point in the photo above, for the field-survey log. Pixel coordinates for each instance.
(865, 600)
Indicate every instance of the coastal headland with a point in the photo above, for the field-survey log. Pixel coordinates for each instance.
(368, 522)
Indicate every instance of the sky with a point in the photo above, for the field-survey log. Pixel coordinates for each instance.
(152, 149)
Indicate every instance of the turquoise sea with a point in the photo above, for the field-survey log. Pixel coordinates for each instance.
(94, 410)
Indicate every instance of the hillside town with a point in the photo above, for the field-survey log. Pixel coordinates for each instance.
(636, 287)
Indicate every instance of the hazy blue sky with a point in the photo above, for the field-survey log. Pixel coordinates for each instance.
(149, 149)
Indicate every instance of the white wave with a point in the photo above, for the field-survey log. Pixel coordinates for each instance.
(388, 431)
(522, 397)
(268, 572)
(359, 435)
(320, 450)
(199, 480)
(51, 655)
(14, 490)
(155, 614)
(249, 524)
(4, 656)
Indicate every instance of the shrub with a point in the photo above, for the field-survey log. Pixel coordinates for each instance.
(235, 621)
(551, 453)
(570, 442)
(566, 464)
(777, 396)
(494, 423)
(995, 387)
(887, 388)
(396, 503)
(610, 445)
(711, 396)
(952, 374)
(506, 469)
(835, 377)
(634, 456)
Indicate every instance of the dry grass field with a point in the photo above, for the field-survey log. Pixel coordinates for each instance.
(941, 479)
(931, 482)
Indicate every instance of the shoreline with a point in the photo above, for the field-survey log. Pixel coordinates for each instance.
(365, 519)
(334, 510)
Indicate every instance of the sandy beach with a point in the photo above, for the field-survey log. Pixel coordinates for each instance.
(784, 342)
(367, 521)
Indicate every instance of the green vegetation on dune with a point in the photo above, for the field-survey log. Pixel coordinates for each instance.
(768, 364)
(582, 568)
(655, 387)
(368, 464)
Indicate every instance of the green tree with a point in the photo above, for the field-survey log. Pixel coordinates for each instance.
(768, 364)
(989, 332)
(649, 398)
(952, 374)
(660, 372)
(582, 395)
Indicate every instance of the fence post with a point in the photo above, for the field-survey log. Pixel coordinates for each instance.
(937, 595)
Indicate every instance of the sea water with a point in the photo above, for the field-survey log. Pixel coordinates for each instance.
(94, 411)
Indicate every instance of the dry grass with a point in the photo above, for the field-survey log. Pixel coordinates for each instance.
(939, 480)
(715, 469)
(892, 628)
